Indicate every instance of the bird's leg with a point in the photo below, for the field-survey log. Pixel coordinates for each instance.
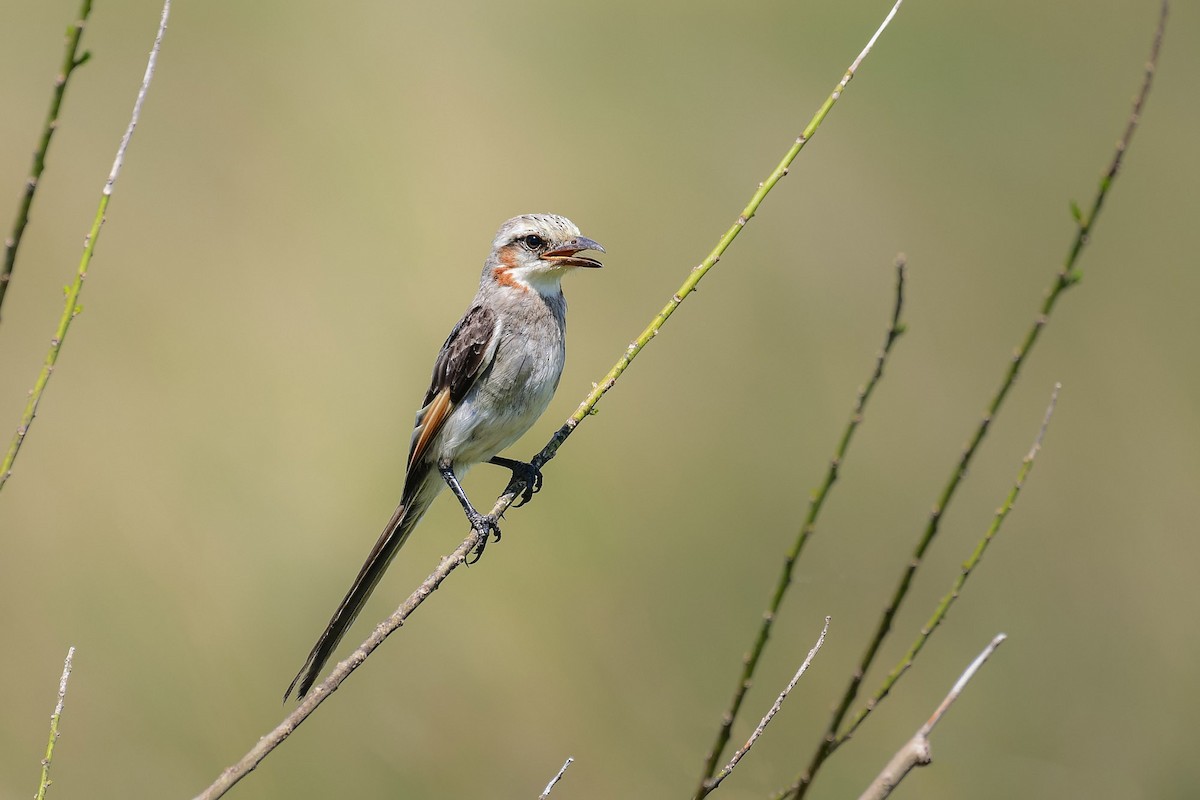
(484, 523)
(528, 473)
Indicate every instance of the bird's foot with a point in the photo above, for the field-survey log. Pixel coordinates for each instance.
(488, 526)
(528, 474)
(485, 524)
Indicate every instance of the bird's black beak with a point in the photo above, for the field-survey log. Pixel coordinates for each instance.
(565, 253)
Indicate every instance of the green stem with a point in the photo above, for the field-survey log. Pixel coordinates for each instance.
(70, 311)
(588, 406)
(1066, 277)
(71, 60)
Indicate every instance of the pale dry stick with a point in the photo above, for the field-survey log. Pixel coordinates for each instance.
(72, 60)
(943, 607)
(549, 786)
(715, 781)
(231, 775)
(1067, 276)
(916, 752)
(263, 747)
(44, 783)
(72, 309)
(807, 529)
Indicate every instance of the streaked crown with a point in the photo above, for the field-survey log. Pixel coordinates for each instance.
(549, 227)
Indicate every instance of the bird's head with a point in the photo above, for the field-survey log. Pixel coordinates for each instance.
(534, 251)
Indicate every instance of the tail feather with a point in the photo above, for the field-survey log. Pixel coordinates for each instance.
(406, 517)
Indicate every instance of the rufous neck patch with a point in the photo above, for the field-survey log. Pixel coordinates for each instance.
(504, 277)
(504, 274)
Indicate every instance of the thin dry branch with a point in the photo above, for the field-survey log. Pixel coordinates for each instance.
(314, 698)
(766, 720)
(917, 752)
(550, 786)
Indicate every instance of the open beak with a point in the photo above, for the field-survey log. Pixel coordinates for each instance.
(565, 254)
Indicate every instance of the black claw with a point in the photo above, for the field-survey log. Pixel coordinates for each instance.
(486, 525)
(533, 483)
(528, 474)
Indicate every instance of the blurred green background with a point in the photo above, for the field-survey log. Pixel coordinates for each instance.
(301, 219)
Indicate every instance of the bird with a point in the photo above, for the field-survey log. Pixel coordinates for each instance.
(492, 379)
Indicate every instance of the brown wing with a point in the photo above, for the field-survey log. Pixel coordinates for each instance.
(466, 354)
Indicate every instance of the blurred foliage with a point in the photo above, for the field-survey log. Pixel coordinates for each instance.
(301, 219)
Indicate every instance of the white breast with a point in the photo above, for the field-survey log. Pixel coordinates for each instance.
(508, 398)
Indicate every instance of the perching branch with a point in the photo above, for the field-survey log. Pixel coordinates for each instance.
(1066, 277)
(319, 693)
(916, 751)
(815, 504)
(265, 745)
(943, 607)
(715, 781)
(44, 783)
(72, 307)
(71, 59)
(588, 406)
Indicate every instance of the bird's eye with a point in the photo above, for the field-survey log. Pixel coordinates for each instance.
(533, 241)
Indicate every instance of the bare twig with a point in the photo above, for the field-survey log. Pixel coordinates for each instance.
(815, 504)
(71, 60)
(1066, 277)
(943, 607)
(916, 752)
(44, 783)
(766, 720)
(72, 308)
(549, 786)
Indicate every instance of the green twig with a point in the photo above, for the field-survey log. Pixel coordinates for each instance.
(943, 607)
(71, 60)
(1066, 277)
(44, 783)
(815, 503)
(588, 406)
(72, 307)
